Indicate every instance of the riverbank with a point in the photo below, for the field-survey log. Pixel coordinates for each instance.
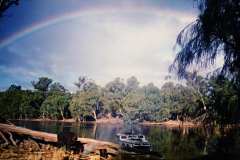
(168, 124)
(16, 141)
(71, 120)
(173, 124)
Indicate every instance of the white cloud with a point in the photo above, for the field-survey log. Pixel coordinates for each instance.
(106, 45)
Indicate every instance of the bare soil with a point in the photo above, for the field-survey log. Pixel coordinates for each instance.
(173, 124)
(109, 120)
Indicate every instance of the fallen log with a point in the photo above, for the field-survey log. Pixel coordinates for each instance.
(94, 145)
(90, 145)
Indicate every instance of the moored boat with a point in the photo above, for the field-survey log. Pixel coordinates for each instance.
(134, 142)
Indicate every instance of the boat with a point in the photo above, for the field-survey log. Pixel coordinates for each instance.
(134, 142)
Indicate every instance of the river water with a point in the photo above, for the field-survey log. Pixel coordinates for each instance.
(173, 144)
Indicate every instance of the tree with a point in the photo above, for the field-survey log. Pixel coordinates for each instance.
(199, 86)
(152, 95)
(18, 104)
(28, 107)
(54, 106)
(84, 102)
(10, 104)
(14, 87)
(145, 103)
(132, 104)
(215, 32)
(42, 84)
(178, 101)
(223, 102)
(82, 83)
(57, 87)
(115, 92)
(5, 4)
(132, 84)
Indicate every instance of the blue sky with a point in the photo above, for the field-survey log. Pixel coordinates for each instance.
(101, 39)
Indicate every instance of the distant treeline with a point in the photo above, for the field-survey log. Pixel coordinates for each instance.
(211, 100)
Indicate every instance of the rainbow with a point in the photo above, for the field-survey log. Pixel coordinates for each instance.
(52, 20)
(49, 21)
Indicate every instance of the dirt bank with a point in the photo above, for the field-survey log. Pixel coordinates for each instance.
(22, 143)
(173, 124)
(110, 120)
(101, 120)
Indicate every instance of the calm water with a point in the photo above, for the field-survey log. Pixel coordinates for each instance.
(174, 144)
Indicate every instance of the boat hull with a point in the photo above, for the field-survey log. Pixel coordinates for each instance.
(136, 148)
(134, 143)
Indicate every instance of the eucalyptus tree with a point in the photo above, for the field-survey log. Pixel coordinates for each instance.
(14, 87)
(84, 103)
(5, 4)
(215, 32)
(29, 107)
(16, 103)
(55, 105)
(199, 87)
(42, 84)
(178, 100)
(115, 91)
(81, 81)
(133, 101)
(224, 101)
(10, 103)
(57, 87)
(149, 105)
(132, 84)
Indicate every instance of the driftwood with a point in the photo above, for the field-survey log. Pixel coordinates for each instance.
(4, 138)
(90, 145)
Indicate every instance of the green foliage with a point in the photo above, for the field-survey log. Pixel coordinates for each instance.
(178, 99)
(215, 32)
(14, 87)
(54, 106)
(213, 99)
(57, 87)
(132, 84)
(29, 106)
(223, 101)
(20, 104)
(115, 92)
(83, 103)
(150, 104)
(42, 84)
(10, 104)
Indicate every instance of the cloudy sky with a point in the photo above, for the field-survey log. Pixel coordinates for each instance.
(101, 39)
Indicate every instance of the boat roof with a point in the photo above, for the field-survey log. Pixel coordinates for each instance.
(128, 133)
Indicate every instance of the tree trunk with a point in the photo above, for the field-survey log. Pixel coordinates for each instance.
(203, 102)
(62, 114)
(94, 115)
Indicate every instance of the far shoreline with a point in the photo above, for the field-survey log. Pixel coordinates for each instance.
(71, 120)
(167, 124)
(172, 124)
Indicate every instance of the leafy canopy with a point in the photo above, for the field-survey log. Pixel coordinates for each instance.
(215, 32)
